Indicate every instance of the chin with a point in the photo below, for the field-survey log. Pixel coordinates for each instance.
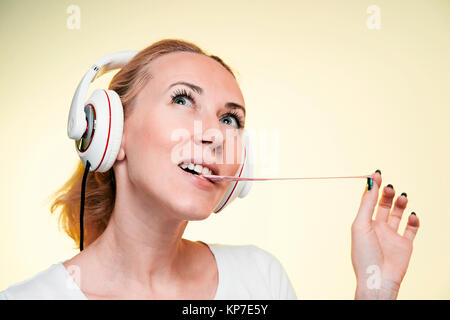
(191, 210)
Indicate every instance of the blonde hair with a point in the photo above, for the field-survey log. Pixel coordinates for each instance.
(100, 186)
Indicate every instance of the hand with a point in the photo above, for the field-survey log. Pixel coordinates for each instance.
(380, 255)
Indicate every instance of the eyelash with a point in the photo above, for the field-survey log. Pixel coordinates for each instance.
(184, 94)
(236, 116)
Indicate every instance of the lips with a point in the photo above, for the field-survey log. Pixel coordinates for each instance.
(195, 173)
(198, 180)
(199, 166)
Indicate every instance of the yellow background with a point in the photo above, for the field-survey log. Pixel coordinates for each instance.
(345, 100)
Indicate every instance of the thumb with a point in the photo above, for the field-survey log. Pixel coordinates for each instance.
(369, 200)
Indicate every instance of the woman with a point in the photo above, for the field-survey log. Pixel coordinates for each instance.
(136, 212)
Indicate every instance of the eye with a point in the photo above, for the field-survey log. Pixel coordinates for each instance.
(182, 97)
(233, 119)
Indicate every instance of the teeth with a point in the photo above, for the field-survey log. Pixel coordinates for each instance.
(196, 167)
(206, 171)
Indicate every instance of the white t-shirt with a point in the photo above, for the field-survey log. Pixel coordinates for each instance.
(245, 272)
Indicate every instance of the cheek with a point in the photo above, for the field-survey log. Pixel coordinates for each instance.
(148, 146)
(153, 131)
(233, 153)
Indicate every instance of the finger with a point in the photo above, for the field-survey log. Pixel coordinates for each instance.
(368, 201)
(385, 203)
(411, 227)
(397, 211)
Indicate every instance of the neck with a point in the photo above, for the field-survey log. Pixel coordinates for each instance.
(142, 247)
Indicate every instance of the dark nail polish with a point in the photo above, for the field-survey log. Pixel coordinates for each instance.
(369, 183)
(404, 194)
(378, 171)
(390, 186)
(413, 213)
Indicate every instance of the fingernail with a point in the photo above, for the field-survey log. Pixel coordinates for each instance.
(369, 183)
(378, 171)
(404, 194)
(413, 213)
(390, 186)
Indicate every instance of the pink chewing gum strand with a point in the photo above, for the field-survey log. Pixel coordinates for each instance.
(231, 178)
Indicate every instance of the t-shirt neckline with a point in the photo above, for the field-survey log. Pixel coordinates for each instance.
(210, 246)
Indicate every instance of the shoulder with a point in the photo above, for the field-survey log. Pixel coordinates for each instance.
(255, 268)
(244, 255)
(51, 283)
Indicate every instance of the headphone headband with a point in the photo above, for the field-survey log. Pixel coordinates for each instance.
(77, 123)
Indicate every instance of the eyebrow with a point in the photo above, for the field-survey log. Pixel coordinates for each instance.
(199, 90)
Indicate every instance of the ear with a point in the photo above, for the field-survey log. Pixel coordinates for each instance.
(121, 154)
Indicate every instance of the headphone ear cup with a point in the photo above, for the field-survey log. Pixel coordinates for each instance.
(116, 132)
(239, 188)
(106, 136)
(248, 168)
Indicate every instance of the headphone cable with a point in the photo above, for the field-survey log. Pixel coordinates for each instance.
(83, 185)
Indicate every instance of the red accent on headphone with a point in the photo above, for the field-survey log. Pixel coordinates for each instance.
(109, 131)
(245, 155)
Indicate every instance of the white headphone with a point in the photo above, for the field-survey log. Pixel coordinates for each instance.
(97, 126)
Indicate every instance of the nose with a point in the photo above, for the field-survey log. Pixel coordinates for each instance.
(210, 138)
(207, 133)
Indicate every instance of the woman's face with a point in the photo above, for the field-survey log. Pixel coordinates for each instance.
(173, 122)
